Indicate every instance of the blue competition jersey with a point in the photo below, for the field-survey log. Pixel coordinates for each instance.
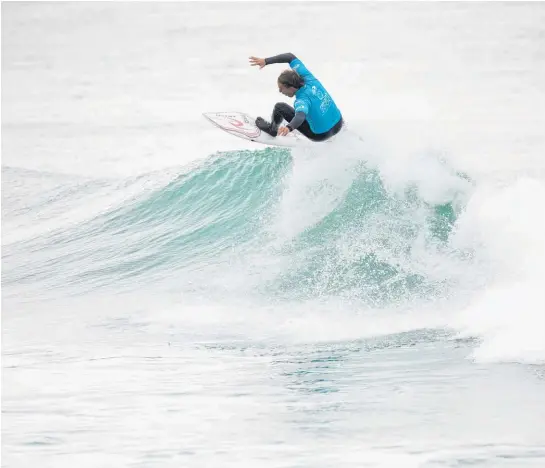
(312, 99)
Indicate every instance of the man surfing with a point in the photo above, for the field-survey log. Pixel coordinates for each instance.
(314, 114)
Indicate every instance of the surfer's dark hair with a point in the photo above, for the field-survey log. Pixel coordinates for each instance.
(291, 79)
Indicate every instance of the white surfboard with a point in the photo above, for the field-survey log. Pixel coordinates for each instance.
(243, 126)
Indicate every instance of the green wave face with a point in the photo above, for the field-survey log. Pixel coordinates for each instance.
(217, 224)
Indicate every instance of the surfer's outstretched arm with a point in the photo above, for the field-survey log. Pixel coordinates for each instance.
(282, 58)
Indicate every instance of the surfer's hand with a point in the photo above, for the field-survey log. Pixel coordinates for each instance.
(257, 62)
(283, 131)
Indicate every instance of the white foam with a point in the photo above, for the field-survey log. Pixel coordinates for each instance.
(319, 178)
(504, 227)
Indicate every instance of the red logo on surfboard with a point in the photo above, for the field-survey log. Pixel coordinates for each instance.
(235, 123)
(245, 128)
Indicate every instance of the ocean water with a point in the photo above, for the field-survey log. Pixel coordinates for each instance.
(175, 297)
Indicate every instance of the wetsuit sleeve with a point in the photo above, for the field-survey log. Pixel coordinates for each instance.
(282, 58)
(297, 120)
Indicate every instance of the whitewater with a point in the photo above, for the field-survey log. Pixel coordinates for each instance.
(174, 296)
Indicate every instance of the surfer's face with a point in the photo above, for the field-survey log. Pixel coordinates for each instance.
(286, 90)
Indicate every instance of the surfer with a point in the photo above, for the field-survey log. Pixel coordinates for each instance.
(314, 114)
